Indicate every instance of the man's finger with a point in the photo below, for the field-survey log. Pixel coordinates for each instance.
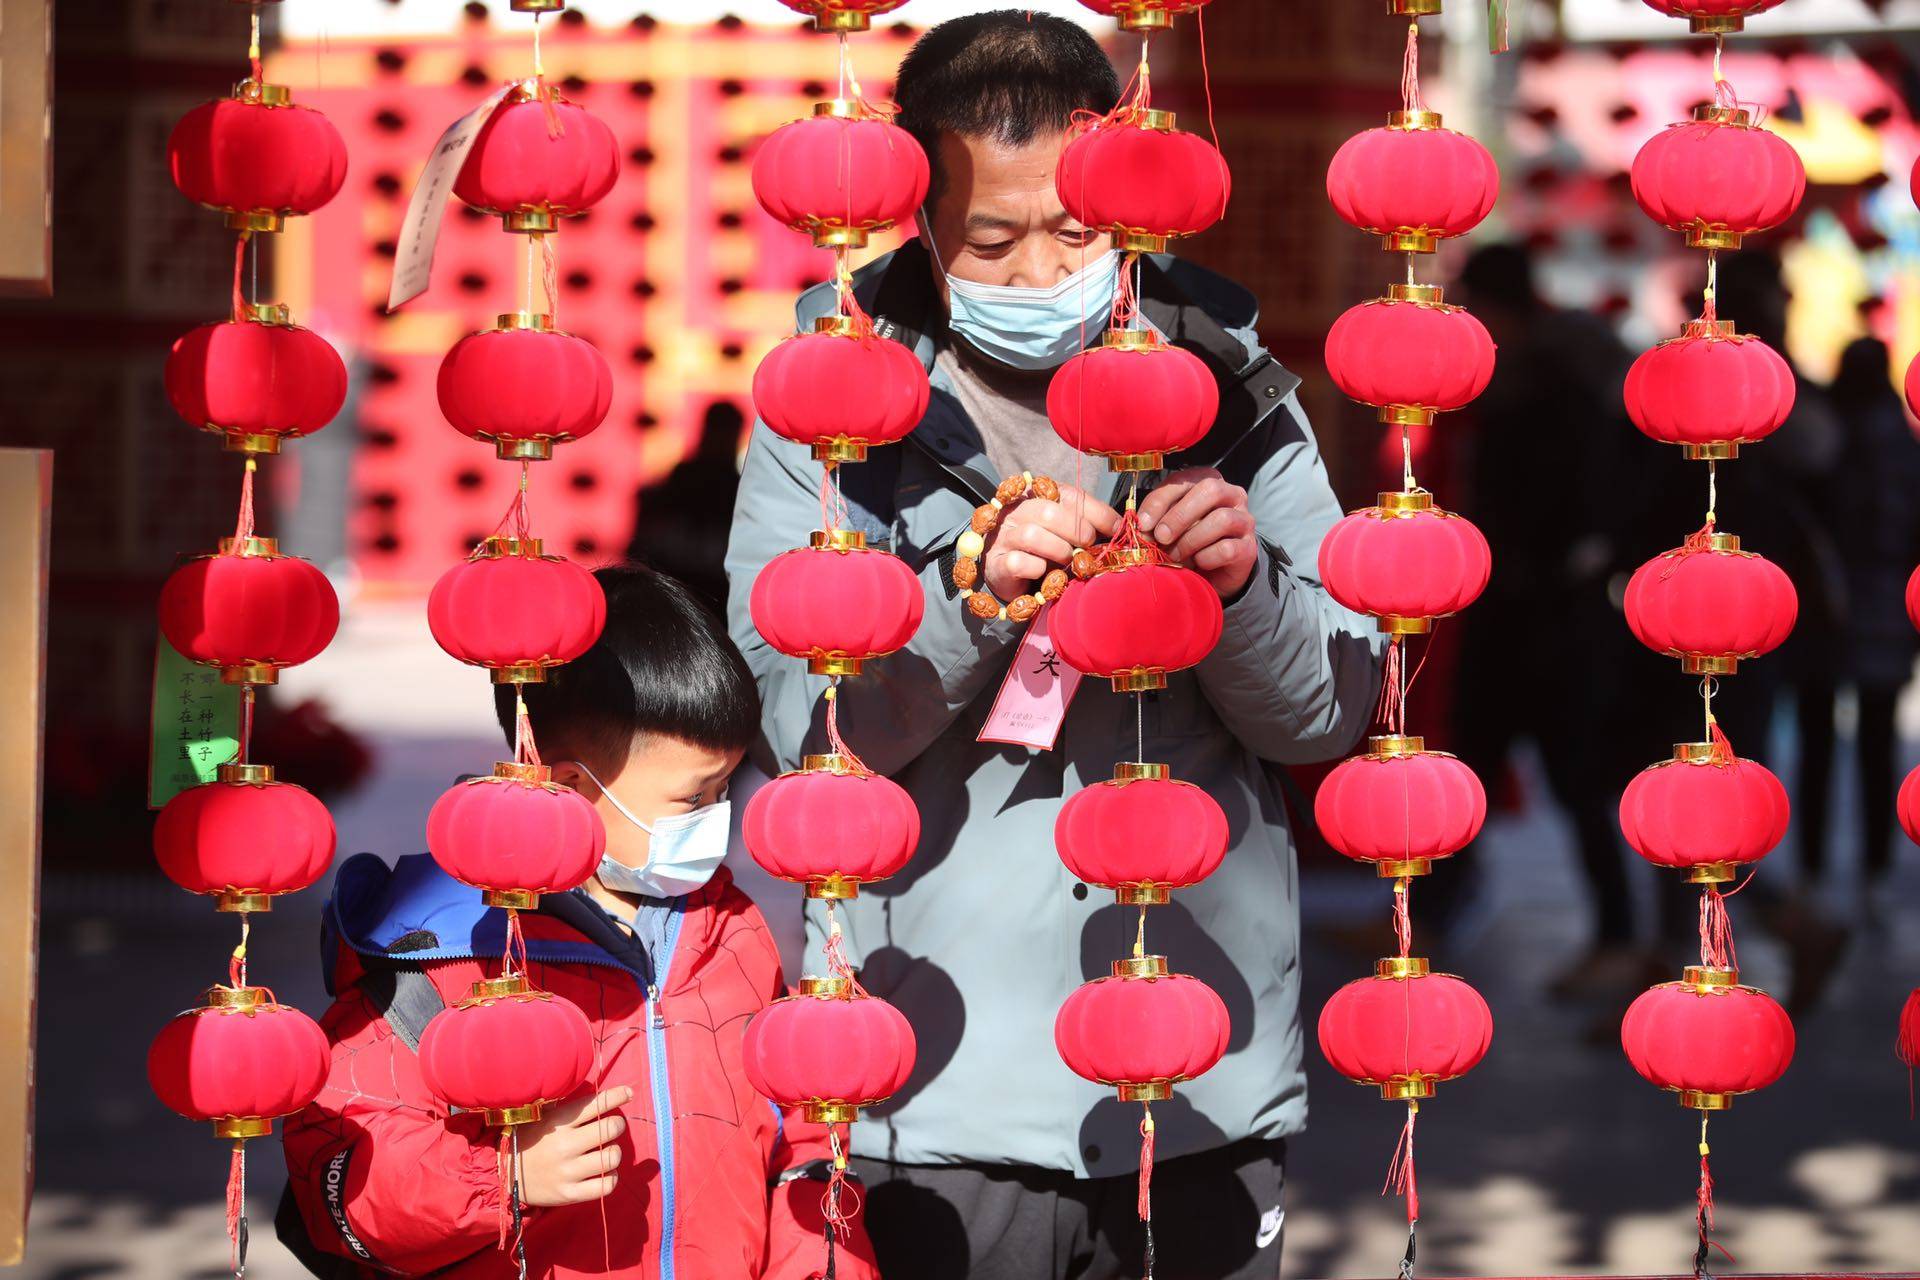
(1227, 551)
(1078, 502)
(1153, 507)
(1202, 498)
(1038, 540)
(1218, 525)
(1023, 567)
(601, 1103)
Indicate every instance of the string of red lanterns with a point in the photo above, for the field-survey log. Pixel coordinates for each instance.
(839, 176)
(1407, 562)
(1711, 603)
(1907, 802)
(241, 1059)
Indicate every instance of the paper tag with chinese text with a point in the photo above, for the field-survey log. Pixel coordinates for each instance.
(1033, 699)
(413, 262)
(196, 725)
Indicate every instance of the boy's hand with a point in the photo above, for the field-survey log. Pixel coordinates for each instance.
(569, 1157)
(1202, 521)
(1037, 535)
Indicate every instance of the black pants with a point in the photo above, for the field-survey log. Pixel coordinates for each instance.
(1217, 1215)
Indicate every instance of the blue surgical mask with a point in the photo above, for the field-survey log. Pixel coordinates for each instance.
(1026, 328)
(683, 849)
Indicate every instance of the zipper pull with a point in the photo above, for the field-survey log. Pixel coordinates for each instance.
(653, 1003)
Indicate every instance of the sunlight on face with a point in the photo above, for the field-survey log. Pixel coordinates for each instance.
(998, 219)
(662, 776)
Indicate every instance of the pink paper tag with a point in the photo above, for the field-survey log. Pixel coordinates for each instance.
(413, 264)
(1033, 698)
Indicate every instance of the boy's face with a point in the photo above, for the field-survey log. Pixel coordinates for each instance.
(660, 778)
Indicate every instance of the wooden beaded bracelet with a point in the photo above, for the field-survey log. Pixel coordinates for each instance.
(982, 603)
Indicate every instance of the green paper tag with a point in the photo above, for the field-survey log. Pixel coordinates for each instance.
(196, 725)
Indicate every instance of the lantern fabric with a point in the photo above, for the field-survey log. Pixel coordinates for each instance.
(810, 1050)
(1134, 624)
(257, 162)
(830, 828)
(515, 835)
(840, 393)
(1907, 1046)
(241, 1061)
(1912, 383)
(1397, 1031)
(1409, 354)
(1413, 186)
(519, 165)
(1710, 390)
(1704, 807)
(1405, 562)
(1701, 1039)
(1907, 805)
(1711, 607)
(1913, 597)
(508, 1055)
(840, 177)
(1147, 183)
(1139, 834)
(249, 611)
(239, 840)
(836, 606)
(1142, 1031)
(516, 611)
(1718, 178)
(1712, 15)
(256, 383)
(1402, 808)
(525, 388)
(1133, 400)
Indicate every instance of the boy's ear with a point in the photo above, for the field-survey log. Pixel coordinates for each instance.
(569, 774)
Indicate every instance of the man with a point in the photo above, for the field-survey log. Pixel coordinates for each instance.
(995, 1160)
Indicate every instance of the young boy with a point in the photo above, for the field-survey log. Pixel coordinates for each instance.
(667, 1164)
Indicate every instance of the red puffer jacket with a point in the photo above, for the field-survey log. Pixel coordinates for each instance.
(386, 1179)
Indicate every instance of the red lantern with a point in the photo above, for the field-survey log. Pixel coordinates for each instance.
(1907, 805)
(1132, 400)
(1143, 181)
(840, 175)
(244, 839)
(249, 611)
(1405, 1029)
(1715, 16)
(1405, 562)
(1413, 183)
(1711, 606)
(1133, 623)
(1400, 806)
(1718, 178)
(515, 611)
(1907, 1046)
(1913, 598)
(1144, 15)
(537, 162)
(515, 835)
(1143, 1030)
(506, 1051)
(829, 1051)
(842, 15)
(256, 381)
(840, 392)
(240, 1062)
(257, 157)
(836, 603)
(1710, 390)
(1704, 810)
(1913, 380)
(1409, 354)
(831, 827)
(1707, 1038)
(1141, 834)
(525, 386)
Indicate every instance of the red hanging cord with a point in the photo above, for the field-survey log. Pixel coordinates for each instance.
(1400, 1175)
(1145, 1205)
(243, 524)
(239, 275)
(1410, 99)
(237, 1210)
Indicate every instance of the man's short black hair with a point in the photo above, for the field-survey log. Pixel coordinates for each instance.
(664, 665)
(1008, 74)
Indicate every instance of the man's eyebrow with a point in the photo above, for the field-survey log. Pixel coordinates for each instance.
(991, 222)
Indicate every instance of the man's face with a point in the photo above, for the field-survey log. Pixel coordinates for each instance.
(999, 220)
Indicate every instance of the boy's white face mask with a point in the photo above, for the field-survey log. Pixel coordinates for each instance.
(683, 849)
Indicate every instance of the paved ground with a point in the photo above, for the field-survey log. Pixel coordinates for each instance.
(1552, 1158)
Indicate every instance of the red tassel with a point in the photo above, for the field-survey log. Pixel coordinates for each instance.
(504, 1163)
(236, 1206)
(1716, 930)
(1907, 1046)
(1400, 1176)
(1146, 1163)
(839, 1206)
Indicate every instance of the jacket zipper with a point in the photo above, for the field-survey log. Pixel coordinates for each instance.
(662, 1091)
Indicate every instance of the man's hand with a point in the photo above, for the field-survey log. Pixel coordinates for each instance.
(1201, 521)
(569, 1157)
(1037, 535)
